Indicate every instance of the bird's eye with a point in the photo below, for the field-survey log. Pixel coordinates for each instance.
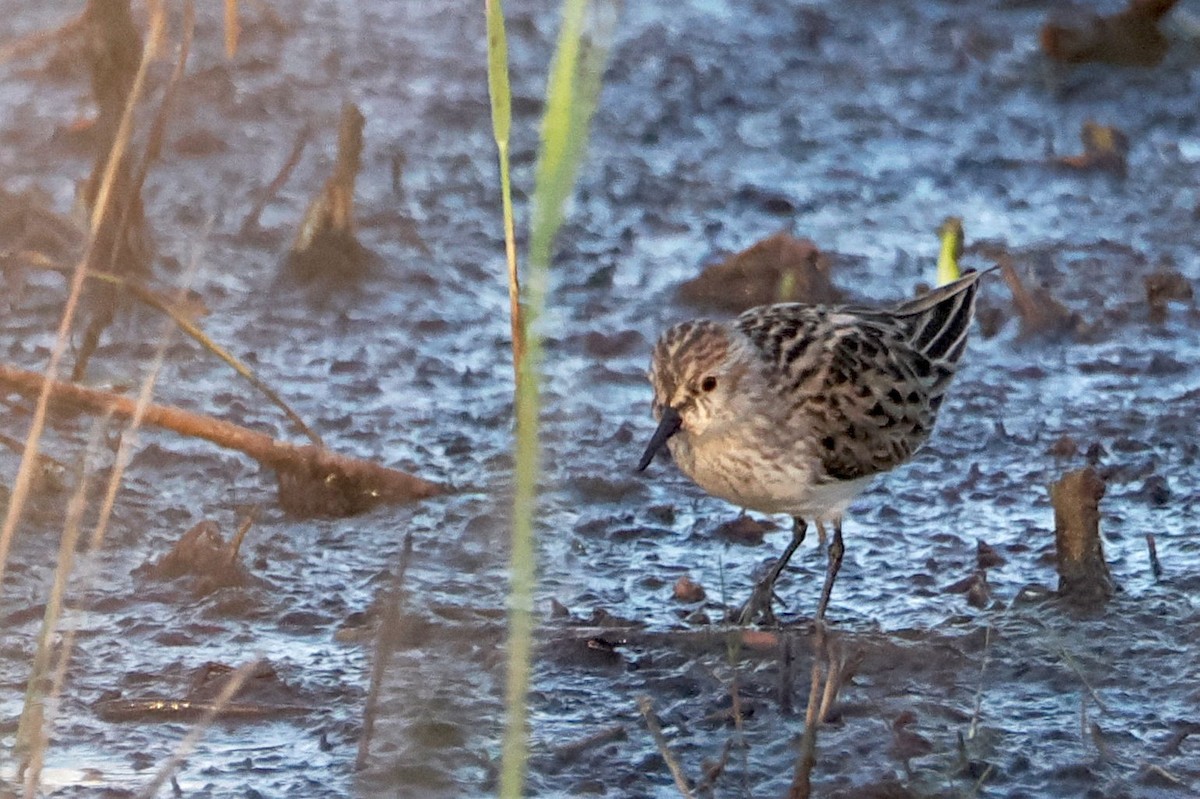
(708, 384)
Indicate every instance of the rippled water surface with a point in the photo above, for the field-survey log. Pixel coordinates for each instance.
(858, 126)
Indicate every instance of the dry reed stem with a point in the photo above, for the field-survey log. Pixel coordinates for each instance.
(236, 680)
(233, 28)
(806, 758)
(681, 782)
(20, 489)
(36, 721)
(95, 541)
(158, 128)
(976, 714)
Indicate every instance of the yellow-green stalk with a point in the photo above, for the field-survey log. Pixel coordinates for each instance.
(572, 91)
(501, 95)
(951, 235)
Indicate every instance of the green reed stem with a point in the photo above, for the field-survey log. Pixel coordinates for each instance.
(501, 94)
(572, 90)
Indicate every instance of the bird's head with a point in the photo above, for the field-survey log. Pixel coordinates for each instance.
(695, 372)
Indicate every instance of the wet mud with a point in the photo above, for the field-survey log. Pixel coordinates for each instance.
(720, 125)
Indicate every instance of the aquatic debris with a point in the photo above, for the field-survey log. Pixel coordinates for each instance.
(688, 590)
(231, 694)
(780, 268)
(1130, 38)
(1163, 286)
(204, 555)
(1152, 549)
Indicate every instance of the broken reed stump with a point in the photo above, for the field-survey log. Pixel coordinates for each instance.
(312, 481)
(1083, 576)
(1040, 313)
(327, 249)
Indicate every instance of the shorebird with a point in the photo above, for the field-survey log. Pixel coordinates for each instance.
(793, 408)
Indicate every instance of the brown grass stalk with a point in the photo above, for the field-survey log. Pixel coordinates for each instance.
(34, 721)
(250, 222)
(33, 729)
(183, 320)
(25, 474)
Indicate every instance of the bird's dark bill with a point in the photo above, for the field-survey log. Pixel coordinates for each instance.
(667, 427)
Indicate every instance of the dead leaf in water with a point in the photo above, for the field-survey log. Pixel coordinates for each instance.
(1105, 148)
(1163, 286)
(688, 590)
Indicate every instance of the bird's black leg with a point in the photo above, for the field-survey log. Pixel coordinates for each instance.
(764, 592)
(836, 550)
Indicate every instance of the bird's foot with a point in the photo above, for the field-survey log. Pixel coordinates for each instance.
(760, 603)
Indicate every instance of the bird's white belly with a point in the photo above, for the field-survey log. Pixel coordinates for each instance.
(780, 482)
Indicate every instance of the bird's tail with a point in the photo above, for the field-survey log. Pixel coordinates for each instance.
(938, 322)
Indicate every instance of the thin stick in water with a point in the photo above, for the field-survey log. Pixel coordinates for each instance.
(385, 644)
(681, 781)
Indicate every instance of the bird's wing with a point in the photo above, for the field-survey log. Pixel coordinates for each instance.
(851, 378)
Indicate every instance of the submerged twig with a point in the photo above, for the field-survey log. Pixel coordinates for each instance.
(236, 543)
(1155, 566)
(973, 728)
(681, 781)
(574, 749)
(713, 771)
(1040, 313)
(1070, 661)
(223, 701)
(787, 660)
(332, 484)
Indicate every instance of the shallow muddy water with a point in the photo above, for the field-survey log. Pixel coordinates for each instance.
(860, 127)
